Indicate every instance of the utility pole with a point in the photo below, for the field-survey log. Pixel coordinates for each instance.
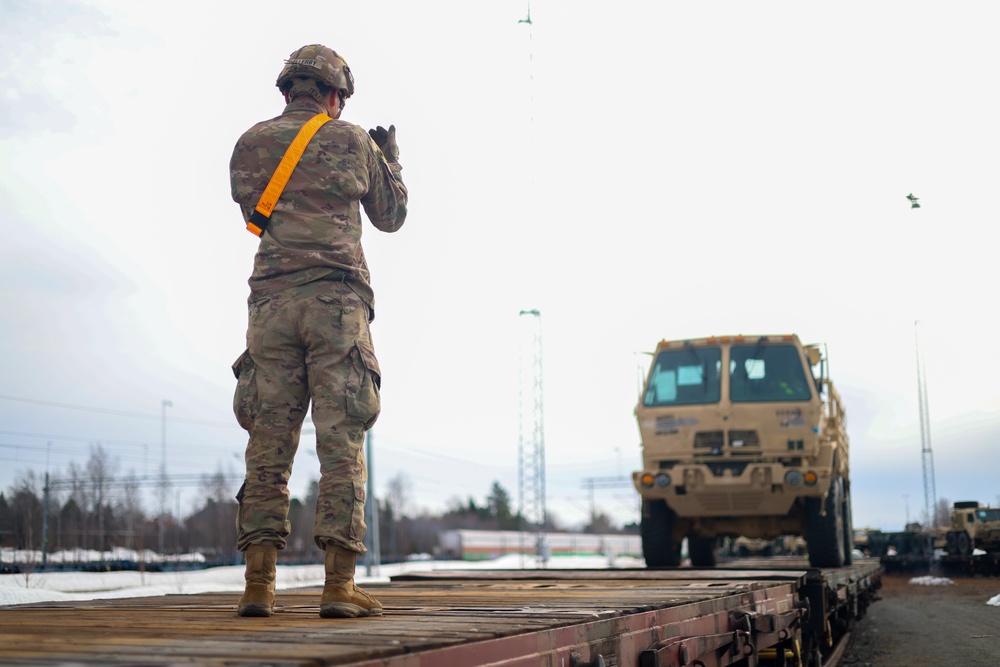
(930, 492)
(45, 523)
(163, 469)
(45, 508)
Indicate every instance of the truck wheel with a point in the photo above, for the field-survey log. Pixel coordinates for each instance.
(825, 533)
(702, 551)
(656, 529)
(964, 544)
(951, 546)
(848, 528)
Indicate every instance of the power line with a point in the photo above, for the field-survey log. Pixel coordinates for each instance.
(142, 480)
(118, 413)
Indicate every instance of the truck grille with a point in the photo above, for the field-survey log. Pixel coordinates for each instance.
(740, 442)
(710, 439)
(728, 502)
(744, 439)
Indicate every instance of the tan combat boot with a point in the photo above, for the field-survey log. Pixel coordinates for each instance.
(341, 598)
(258, 599)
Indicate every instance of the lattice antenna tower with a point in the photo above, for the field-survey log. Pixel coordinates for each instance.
(930, 492)
(531, 435)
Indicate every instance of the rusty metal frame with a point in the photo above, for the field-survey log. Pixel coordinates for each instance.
(711, 633)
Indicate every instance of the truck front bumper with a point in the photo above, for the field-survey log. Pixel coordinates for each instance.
(761, 489)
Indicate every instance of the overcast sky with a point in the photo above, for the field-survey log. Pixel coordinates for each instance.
(634, 170)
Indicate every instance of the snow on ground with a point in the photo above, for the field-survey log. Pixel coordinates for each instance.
(932, 581)
(18, 589)
(71, 586)
(945, 581)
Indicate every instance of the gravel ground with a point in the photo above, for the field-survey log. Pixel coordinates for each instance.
(914, 625)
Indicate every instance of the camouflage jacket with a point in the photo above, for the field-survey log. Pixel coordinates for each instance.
(315, 229)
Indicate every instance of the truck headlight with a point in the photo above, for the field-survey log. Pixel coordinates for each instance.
(811, 478)
(793, 478)
(660, 479)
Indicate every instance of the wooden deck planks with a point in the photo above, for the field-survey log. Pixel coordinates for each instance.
(425, 613)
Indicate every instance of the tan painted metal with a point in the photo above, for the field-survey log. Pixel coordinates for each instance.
(728, 461)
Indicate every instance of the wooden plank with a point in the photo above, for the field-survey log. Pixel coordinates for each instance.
(427, 618)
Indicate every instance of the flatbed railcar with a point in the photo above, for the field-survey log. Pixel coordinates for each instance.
(766, 612)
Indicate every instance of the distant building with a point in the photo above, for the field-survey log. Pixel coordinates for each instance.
(489, 544)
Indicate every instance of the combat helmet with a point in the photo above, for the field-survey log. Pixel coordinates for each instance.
(321, 63)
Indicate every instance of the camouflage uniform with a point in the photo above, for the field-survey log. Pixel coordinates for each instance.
(310, 305)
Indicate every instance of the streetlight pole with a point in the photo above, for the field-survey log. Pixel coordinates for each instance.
(163, 468)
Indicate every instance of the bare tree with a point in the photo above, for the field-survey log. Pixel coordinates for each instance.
(601, 523)
(130, 506)
(943, 513)
(399, 492)
(26, 508)
(213, 528)
(79, 500)
(101, 469)
(27, 512)
(217, 487)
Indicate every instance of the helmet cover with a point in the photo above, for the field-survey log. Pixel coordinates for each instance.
(321, 63)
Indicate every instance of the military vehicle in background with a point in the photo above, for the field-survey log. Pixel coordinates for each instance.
(784, 545)
(972, 527)
(745, 547)
(742, 436)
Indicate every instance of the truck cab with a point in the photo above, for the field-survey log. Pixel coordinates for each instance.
(742, 436)
(973, 527)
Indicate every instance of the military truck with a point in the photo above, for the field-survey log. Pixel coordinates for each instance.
(972, 527)
(742, 436)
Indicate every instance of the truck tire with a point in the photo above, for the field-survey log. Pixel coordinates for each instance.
(966, 505)
(702, 551)
(656, 528)
(964, 544)
(825, 533)
(951, 541)
(848, 527)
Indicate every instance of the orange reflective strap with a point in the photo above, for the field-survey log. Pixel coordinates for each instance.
(279, 179)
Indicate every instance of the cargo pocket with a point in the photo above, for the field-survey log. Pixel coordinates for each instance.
(246, 403)
(239, 513)
(363, 401)
(358, 527)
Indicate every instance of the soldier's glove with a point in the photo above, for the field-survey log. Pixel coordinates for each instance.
(386, 140)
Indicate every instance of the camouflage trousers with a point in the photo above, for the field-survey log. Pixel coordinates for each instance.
(308, 344)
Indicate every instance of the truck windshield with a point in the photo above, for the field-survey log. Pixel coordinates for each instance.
(685, 377)
(761, 373)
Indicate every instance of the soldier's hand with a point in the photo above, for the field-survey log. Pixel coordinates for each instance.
(386, 140)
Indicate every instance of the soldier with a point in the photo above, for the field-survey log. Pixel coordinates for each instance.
(308, 338)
